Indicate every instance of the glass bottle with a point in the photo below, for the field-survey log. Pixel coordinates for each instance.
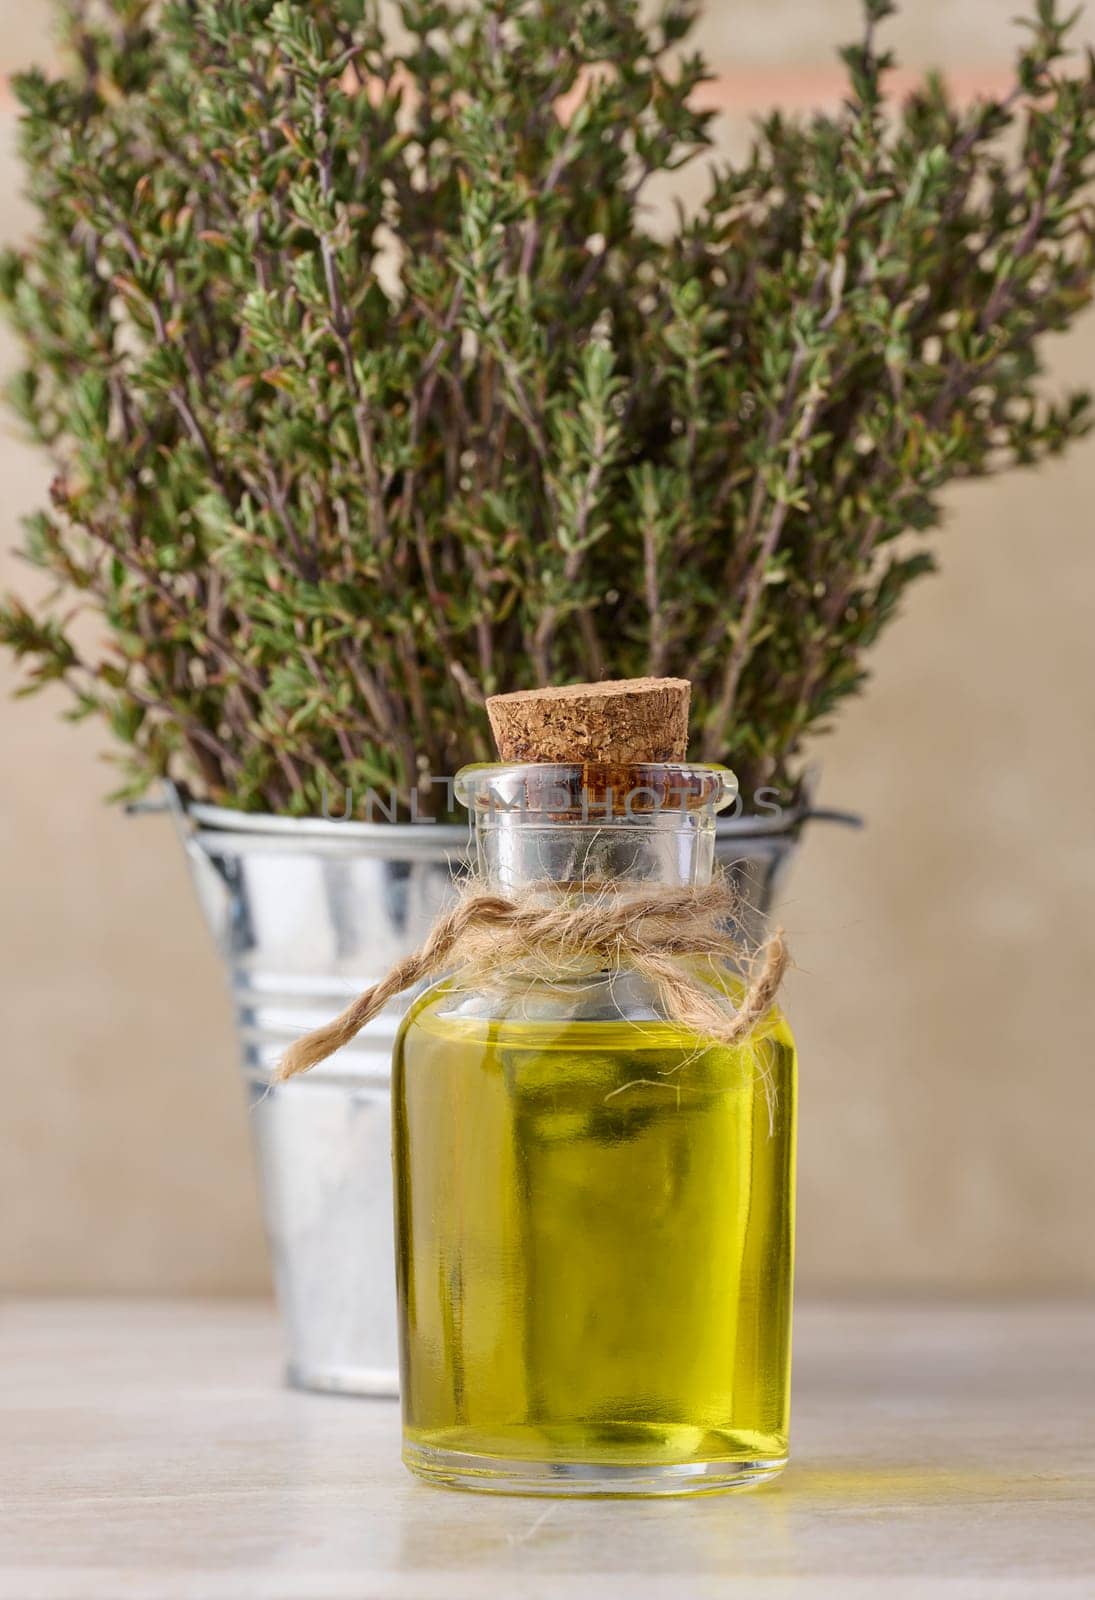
(594, 1207)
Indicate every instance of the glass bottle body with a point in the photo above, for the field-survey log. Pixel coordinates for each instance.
(594, 1228)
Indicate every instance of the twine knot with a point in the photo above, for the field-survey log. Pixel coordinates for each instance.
(487, 936)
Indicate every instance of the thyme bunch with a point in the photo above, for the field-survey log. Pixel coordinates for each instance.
(370, 391)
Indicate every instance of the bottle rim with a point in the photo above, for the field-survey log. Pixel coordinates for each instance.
(594, 790)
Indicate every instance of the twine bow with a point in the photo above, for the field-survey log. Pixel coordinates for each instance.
(486, 936)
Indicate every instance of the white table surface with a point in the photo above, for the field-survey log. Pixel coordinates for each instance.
(148, 1450)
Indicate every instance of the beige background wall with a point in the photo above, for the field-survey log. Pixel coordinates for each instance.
(944, 1001)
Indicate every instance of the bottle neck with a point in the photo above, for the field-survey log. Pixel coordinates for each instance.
(659, 851)
(582, 827)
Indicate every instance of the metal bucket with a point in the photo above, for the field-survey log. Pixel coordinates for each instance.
(306, 914)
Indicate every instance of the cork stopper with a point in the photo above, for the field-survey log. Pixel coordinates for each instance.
(627, 721)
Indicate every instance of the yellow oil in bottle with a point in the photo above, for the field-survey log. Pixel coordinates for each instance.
(594, 1245)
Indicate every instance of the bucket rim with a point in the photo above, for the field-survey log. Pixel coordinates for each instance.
(446, 835)
(427, 836)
